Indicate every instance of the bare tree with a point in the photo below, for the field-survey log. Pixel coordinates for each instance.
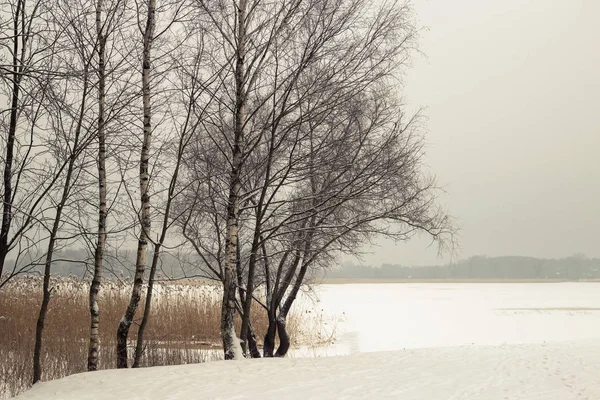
(184, 120)
(125, 323)
(245, 31)
(233, 206)
(68, 119)
(24, 73)
(365, 181)
(99, 252)
(156, 83)
(103, 28)
(295, 196)
(22, 21)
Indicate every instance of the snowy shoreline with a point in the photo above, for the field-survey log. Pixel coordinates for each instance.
(557, 371)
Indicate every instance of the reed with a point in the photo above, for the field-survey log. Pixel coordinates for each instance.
(184, 327)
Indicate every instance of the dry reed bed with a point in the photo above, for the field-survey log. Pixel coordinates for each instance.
(183, 327)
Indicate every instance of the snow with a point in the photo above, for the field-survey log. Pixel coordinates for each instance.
(238, 353)
(558, 371)
(382, 317)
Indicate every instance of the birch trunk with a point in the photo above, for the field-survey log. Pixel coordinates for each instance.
(37, 352)
(257, 244)
(139, 345)
(284, 338)
(247, 300)
(231, 239)
(229, 276)
(269, 339)
(157, 246)
(251, 340)
(140, 265)
(99, 252)
(248, 335)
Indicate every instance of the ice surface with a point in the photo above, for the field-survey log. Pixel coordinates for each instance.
(379, 317)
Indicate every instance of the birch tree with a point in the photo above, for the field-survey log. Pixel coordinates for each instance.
(246, 32)
(68, 119)
(161, 37)
(144, 214)
(102, 209)
(109, 19)
(296, 199)
(186, 110)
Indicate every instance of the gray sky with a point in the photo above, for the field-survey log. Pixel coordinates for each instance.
(512, 90)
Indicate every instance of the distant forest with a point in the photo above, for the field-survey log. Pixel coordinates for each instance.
(73, 262)
(480, 267)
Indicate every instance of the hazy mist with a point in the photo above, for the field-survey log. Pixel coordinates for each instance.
(512, 90)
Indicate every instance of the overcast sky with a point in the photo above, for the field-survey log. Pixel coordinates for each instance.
(512, 90)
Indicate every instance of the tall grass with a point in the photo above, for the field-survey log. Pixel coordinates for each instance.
(183, 327)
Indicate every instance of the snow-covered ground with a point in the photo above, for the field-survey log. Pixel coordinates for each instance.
(561, 371)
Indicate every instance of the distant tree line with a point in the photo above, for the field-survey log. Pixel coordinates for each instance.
(477, 267)
(480, 267)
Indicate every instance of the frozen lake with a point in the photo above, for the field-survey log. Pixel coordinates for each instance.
(379, 317)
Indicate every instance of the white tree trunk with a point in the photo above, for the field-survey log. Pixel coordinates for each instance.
(102, 210)
(231, 239)
(144, 215)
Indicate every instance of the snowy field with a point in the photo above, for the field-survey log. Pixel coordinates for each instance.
(406, 341)
(551, 372)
